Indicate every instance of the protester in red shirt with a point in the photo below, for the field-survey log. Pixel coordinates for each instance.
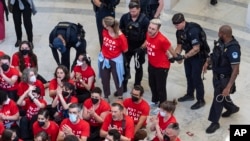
(158, 48)
(1, 128)
(118, 120)
(95, 109)
(62, 101)
(31, 101)
(61, 75)
(164, 117)
(110, 59)
(8, 78)
(84, 77)
(171, 133)
(9, 112)
(74, 125)
(26, 58)
(44, 124)
(137, 108)
(10, 135)
(29, 78)
(42, 136)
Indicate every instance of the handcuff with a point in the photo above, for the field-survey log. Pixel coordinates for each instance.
(219, 98)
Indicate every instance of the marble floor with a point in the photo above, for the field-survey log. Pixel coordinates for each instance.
(232, 12)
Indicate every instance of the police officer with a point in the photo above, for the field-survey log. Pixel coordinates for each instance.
(134, 25)
(151, 8)
(64, 36)
(225, 61)
(188, 39)
(103, 8)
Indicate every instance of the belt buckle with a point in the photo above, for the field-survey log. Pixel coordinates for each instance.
(222, 76)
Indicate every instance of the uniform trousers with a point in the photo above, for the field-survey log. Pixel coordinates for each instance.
(157, 81)
(2, 22)
(193, 69)
(217, 107)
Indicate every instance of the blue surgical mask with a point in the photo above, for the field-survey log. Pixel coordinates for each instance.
(72, 118)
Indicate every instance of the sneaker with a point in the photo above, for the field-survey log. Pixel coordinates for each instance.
(198, 104)
(212, 127)
(155, 111)
(115, 93)
(18, 42)
(228, 113)
(186, 98)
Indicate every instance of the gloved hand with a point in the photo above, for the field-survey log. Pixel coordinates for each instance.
(179, 57)
(171, 60)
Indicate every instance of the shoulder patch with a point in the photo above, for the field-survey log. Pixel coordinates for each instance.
(235, 55)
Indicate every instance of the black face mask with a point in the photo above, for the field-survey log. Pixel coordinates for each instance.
(5, 67)
(166, 138)
(65, 94)
(134, 99)
(24, 52)
(41, 123)
(94, 101)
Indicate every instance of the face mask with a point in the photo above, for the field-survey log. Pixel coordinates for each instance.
(15, 139)
(106, 140)
(166, 138)
(134, 99)
(5, 67)
(72, 118)
(78, 63)
(163, 114)
(25, 52)
(33, 79)
(41, 123)
(65, 94)
(94, 100)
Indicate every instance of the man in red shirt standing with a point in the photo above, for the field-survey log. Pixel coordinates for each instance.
(118, 120)
(158, 47)
(74, 125)
(137, 107)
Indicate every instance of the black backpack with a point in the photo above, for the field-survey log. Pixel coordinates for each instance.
(204, 47)
(134, 30)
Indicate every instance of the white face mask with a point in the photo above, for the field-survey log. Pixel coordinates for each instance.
(33, 79)
(106, 140)
(78, 63)
(163, 114)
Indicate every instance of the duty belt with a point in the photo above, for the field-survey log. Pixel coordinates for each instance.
(221, 76)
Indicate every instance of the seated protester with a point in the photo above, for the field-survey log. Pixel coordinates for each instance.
(8, 78)
(61, 75)
(31, 102)
(29, 78)
(164, 117)
(63, 99)
(171, 133)
(95, 109)
(10, 135)
(118, 120)
(74, 125)
(9, 112)
(84, 76)
(43, 123)
(70, 138)
(26, 58)
(113, 135)
(137, 108)
(42, 136)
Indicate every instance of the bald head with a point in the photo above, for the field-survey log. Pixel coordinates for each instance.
(226, 30)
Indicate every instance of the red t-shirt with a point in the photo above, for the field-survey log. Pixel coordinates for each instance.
(163, 125)
(31, 108)
(103, 107)
(6, 86)
(86, 74)
(53, 84)
(1, 126)
(27, 61)
(80, 129)
(113, 47)
(1, 53)
(157, 50)
(73, 99)
(129, 126)
(23, 86)
(9, 108)
(52, 130)
(136, 110)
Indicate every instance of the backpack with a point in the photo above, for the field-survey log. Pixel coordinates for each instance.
(204, 47)
(134, 30)
(68, 27)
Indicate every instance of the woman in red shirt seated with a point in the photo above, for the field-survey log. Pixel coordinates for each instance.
(84, 77)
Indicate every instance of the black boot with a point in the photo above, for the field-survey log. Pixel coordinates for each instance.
(213, 2)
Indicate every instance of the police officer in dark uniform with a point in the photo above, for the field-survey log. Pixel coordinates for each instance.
(134, 26)
(188, 39)
(225, 61)
(103, 8)
(151, 8)
(64, 36)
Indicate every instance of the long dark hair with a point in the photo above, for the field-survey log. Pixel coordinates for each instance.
(33, 57)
